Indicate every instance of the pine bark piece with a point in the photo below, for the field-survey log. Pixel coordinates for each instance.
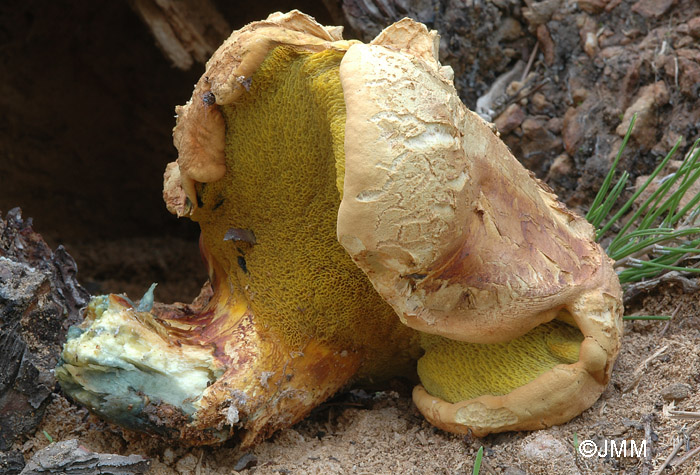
(39, 299)
(187, 31)
(11, 463)
(69, 457)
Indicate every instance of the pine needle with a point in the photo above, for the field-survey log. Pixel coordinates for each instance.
(656, 236)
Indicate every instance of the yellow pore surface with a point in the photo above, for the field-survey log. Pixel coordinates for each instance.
(285, 168)
(457, 371)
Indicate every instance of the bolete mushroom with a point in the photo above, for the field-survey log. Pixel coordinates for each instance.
(356, 218)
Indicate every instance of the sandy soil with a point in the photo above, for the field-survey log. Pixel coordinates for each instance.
(382, 432)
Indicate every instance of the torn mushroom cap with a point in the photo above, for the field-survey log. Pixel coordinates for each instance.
(441, 216)
(460, 239)
(199, 135)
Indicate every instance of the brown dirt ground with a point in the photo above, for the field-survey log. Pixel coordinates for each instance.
(566, 134)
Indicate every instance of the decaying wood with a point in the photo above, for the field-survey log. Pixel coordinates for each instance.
(467, 28)
(11, 463)
(70, 457)
(335, 10)
(187, 31)
(39, 299)
(634, 290)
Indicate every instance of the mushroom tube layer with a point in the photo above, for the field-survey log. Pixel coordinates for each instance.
(358, 222)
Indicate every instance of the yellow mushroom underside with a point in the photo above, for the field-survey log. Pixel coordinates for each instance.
(285, 163)
(284, 182)
(457, 371)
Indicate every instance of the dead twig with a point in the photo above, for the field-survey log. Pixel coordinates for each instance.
(673, 453)
(524, 91)
(647, 420)
(684, 414)
(637, 375)
(676, 448)
(687, 457)
(529, 62)
(635, 289)
(668, 323)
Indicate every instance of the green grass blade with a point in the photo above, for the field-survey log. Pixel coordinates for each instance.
(646, 317)
(611, 199)
(477, 461)
(634, 197)
(656, 196)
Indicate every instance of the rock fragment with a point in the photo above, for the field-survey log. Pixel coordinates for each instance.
(539, 13)
(246, 461)
(676, 392)
(11, 462)
(694, 27)
(187, 464)
(69, 457)
(652, 8)
(509, 119)
(592, 6)
(546, 43)
(649, 99)
(561, 167)
(547, 451)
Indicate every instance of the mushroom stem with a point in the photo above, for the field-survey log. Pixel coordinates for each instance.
(197, 372)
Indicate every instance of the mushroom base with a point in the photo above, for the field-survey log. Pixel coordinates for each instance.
(197, 373)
